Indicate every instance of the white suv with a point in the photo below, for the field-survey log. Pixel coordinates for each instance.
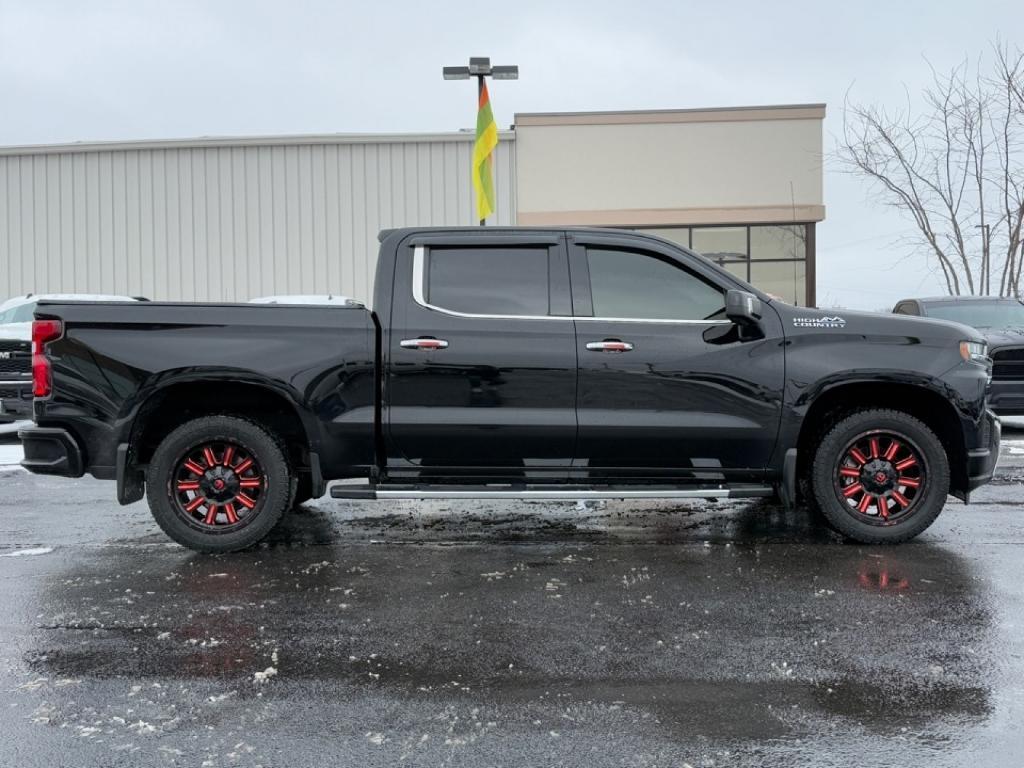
(16, 349)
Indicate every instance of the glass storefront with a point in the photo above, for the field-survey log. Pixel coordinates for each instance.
(772, 257)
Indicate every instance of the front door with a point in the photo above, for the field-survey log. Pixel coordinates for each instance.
(481, 369)
(666, 386)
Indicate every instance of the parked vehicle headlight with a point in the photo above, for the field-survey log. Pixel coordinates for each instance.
(974, 350)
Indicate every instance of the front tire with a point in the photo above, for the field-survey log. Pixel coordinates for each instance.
(880, 476)
(218, 484)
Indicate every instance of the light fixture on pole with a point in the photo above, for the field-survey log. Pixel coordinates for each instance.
(486, 130)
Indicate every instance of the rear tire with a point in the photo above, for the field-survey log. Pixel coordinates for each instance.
(880, 476)
(218, 484)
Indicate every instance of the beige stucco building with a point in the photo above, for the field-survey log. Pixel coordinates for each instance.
(743, 186)
(234, 218)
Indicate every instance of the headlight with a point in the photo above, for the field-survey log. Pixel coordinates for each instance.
(974, 350)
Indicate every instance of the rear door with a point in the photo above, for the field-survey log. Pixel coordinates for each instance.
(666, 386)
(481, 369)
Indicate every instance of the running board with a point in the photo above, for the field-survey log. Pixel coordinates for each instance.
(554, 493)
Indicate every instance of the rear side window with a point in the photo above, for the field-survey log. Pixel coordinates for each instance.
(639, 286)
(488, 281)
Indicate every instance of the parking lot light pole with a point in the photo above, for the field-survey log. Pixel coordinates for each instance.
(480, 67)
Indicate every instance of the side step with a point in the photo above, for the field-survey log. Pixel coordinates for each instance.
(549, 493)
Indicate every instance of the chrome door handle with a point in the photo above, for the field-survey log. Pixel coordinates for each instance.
(609, 345)
(424, 343)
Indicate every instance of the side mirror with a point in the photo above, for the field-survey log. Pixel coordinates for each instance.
(742, 308)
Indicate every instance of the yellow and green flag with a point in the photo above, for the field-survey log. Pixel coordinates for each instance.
(483, 156)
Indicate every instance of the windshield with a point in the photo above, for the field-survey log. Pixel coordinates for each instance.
(1003, 314)
(22, 313)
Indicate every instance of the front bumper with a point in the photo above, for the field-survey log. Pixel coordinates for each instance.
(15, 400)
(51, 451)
(981, 462)
(1006, 397)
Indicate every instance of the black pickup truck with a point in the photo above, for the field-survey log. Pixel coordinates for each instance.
(513, 363)
(1000, 321)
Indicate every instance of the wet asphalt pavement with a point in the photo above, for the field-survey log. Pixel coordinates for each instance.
(512, 634)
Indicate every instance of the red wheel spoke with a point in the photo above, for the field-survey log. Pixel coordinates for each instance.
(193, 505)
(250, 482)
(871, 477)
(851, 490)
(211, 515)
(188, 485)
(229, 453)
(194, 468)
(243, 466)
(229, 510)
(211, 460)
(245, 501)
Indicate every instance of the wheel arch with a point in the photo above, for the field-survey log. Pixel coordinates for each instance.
(917, 400)
(182, 399)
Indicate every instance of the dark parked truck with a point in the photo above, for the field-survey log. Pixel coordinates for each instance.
(1000, 321)
(513, 363)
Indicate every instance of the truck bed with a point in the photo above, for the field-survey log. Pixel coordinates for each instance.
(320, 360)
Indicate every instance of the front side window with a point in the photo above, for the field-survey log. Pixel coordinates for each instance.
(640, 286)
(489, 281)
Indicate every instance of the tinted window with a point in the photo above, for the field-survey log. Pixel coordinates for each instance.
(489, 281)
(980, 314)
(636, 285)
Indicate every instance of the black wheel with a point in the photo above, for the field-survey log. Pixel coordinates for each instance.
(218, 484)
(880, 476)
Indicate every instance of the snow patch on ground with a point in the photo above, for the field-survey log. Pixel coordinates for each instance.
(261, 677)
(10, 455)
(28, 552)
(12, 427)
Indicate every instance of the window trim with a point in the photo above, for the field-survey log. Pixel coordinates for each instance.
(419, 277)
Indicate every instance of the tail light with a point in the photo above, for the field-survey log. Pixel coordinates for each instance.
(43, 331)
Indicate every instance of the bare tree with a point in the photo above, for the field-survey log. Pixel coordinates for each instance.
(955, 165)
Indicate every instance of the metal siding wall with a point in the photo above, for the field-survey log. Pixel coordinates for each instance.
(227, 223)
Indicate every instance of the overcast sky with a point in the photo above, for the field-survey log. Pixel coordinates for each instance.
(94, 69)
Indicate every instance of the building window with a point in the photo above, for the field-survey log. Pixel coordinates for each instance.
(678, 235)
(785, 279)
(721, 243)
(786, 241)
(772, 257)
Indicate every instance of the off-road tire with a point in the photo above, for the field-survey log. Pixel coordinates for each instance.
(275, 493)
(891, 426)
